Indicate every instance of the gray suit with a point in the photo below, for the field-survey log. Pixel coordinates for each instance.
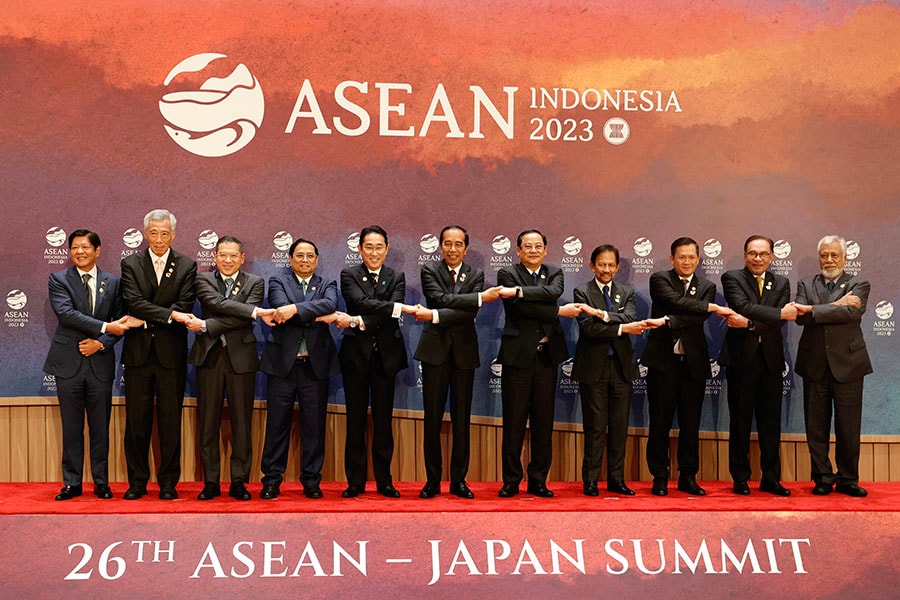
(832, 359)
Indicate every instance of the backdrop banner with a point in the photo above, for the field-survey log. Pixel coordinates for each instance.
(630, 124)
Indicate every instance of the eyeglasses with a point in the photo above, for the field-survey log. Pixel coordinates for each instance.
(762, 255)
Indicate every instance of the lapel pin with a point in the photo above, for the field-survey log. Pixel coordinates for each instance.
(462, 277)
(693, 291)
(543, 276)
(365, 278)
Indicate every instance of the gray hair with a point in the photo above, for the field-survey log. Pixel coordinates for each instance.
(160, 214)
(828, 239)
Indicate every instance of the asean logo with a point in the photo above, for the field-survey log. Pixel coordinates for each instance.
(572, 245)
(16, 299)
(220, 117)
(283, 241)
(642, 246)
(429, 243)
(500, 244)
(132, 238)
(712, 248)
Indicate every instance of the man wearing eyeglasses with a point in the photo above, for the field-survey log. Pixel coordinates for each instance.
(753, 356)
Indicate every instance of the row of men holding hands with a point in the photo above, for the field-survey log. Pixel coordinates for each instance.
(158, 288)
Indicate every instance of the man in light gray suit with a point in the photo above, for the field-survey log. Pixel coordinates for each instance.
(832, 359)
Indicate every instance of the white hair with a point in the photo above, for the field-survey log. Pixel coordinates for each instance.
(160, 214)
(828, 239)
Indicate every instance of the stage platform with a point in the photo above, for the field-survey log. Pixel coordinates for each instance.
(718, 546)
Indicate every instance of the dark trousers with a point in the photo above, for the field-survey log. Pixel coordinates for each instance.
(669, 392)
(311, 395)
(754, 389)
(604, 409)
(142, 384)
(357, 390)
(529, 396)
(820, 398)
(84, 393)
(437, 381)
(214, 378)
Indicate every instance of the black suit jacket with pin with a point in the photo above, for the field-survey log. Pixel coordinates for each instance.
(596, 336)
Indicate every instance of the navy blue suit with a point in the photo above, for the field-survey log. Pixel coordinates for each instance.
(83, 383)
(304, 378)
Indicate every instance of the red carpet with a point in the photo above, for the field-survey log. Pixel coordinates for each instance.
(37, 498)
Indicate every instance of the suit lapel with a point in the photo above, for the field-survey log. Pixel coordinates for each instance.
(463, 280)
(77, 285)
(314, 282)
(595, 295)
(102, 282)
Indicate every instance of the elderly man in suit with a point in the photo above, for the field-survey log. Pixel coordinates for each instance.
(88, 303)
(677, 357)
(604, 368)
(448, 350)
(299, 357)
(531, 349)
(224, 353)
(753, 356)
(832, 360)
(372, 353)
(158, 287)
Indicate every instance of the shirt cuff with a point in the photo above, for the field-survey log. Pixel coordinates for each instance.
(103, 328)
(398, 310)
(435, 318)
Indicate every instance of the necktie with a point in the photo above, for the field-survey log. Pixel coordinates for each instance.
(534, 277)
(609, 304)
(759, 281)
(687, 284)
(229, 284)
(374, 278)
(302, 350)
(453, 275)
(830, 287)
(158, 267)
(86, 278)
(303, 288)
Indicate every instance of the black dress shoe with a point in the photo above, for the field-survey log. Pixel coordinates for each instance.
(619, 487)
(312, 491)
(270, 491)
(774, 487)
(508, 490)
(461, 490)
(388, 491)
(168, 493)
(741, 488)
(68, 492)
(660, 486)
(539, 488)
(210, 491)
(430, 489)
(134, 493)
(690, 485)
(102, 491)
(851, 489)
(591, 489)
(238, 491)
(822, 489)
(353, 491)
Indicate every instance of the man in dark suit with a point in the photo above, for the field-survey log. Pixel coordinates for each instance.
(753, 356)
(677, 356)
(531, 349)
(158, 287)
(832, 359)
(88, 303)
(604, 368)
(224, 353)
(299, 358)
(372, 353)
(448, 350)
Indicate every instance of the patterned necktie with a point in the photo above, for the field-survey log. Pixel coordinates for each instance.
(303, 288)
(534, 277)
(609, 304)
(86, 278)
(687, 284)
(759, 282)
(158, 265)
(830, 286)
(374, 278)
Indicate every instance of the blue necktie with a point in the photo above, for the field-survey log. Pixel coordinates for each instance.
(830, 286)
(609, 304)
(302, 350)
(534, 277)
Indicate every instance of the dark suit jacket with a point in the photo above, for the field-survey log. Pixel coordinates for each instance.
(457, 308)
(70, 304)
(283, 342)
(595, 336)
(742, 295)
(154, 303)
(832, 335)
(687, 313)
(531, 317)
(231, 317)
(375, 305)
